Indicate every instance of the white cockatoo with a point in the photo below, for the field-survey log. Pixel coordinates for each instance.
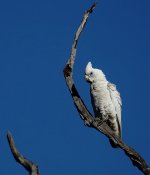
(105, 99)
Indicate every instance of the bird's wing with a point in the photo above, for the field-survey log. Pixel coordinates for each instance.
(116, 100)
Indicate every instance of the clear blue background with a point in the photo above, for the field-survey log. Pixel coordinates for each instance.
(35, 105)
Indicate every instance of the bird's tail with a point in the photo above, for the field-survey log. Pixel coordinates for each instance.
(113, 143)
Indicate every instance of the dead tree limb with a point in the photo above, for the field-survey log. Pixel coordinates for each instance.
(85, 115)
(31, 167)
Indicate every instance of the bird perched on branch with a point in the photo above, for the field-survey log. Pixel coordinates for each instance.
(105, 100)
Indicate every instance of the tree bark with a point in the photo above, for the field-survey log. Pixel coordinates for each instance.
(31, 167)
(84, 113)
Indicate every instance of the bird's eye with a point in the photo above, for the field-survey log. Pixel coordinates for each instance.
(91, 73)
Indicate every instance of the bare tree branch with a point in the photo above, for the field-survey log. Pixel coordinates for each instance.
(85, 115)
(31, 167)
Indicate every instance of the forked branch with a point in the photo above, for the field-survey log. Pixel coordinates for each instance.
(31, 167)
(85, 115)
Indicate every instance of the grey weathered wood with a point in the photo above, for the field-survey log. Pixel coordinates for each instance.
(31, 167)
(85, 115)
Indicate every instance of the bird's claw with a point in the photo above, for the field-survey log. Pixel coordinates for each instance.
(101, 121)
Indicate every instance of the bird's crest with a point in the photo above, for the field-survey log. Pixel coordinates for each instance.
(88, 67)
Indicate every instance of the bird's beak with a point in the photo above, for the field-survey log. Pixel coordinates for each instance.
(87, 78)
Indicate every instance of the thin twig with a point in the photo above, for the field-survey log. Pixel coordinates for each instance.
(85, 115)
(31, 167)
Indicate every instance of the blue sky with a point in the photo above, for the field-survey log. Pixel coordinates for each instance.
(35, 104)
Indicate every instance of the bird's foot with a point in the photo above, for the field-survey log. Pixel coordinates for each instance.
(101, 121)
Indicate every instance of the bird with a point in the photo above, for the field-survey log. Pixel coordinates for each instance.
(105, 99)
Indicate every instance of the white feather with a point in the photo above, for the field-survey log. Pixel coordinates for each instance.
(105, 98)
(116, 100)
